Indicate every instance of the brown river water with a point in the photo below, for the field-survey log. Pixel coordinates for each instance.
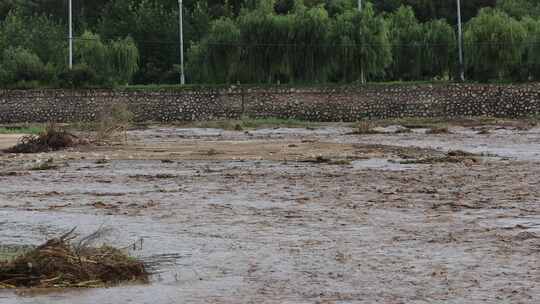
(241, 217)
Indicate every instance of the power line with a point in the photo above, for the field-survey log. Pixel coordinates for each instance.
(413, 44)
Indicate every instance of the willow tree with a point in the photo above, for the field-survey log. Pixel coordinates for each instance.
(406, 37)
(196, 58)
(361, 46)
(308, 37)
(154, 27)
(494, 44)
(217, 56)
(92, 52)
(519, 8)
(529, 67)
(439, 49)
(124, 60)
(265, 48)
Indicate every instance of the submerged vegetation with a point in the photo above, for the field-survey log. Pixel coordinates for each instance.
(51, 139)
(60, 263)
(455, 156)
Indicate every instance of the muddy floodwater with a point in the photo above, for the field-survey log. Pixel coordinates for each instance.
(292, 215)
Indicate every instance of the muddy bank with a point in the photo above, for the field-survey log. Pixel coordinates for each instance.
(251, 222)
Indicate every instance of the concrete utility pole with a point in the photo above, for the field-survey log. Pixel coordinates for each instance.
(362, 76)
(460, 43)
(181, 26)
(70, 8)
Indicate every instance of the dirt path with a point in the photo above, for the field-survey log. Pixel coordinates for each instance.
(230, 217)
(8, 140)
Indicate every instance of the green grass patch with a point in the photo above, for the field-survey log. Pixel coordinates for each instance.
(252, 123)
(34, 129)
(439, 123)
(329, 85)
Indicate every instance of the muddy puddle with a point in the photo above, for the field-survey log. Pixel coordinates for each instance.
(291, 215)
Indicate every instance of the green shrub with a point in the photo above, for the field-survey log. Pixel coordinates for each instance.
(21, 65)
(80, 76)
(124, 60)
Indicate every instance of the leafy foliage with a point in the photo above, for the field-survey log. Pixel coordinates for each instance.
(119, 42)
(407, 42)
(364, 47)
(439, 49)
(494, 42)
(81, 75)
(519, 8)
(21, 65)
(265, 37)
(221, 54)
(124, 60)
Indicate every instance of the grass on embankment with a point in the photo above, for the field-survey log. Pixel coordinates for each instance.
(441, 122)
(26, 129)
(247, 123)
(191, 87)
(441, 125)
(244, 123)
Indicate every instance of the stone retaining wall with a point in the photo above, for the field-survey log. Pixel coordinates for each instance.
(316, 104)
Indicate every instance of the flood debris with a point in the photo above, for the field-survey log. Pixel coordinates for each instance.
(62, 263)
(484, 131)
(51, 139)
(212, 152)
(115, 119)
(153, 176)
(319, 159)
(393, 129)
(364, 128)
(438, 130)
(325, 160)
(14, 173)
(102, 161)
(460, 153)
(46, 165)
(455, 156)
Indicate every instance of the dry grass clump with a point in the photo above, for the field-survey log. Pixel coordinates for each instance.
(364, 128)
(456, 156)
(438, 130)
(51, 139)
(319, 159)
(460, 153)
(46, 165)
(113, 120)
(325, 160)
(58, 263)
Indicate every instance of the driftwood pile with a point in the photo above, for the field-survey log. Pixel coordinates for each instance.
(51, 139)
(60, 264)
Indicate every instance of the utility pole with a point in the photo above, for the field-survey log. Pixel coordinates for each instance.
(70, 8)
(460, 43)
(362, 75)
(181, 26)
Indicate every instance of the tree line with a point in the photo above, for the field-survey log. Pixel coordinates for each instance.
(266, 41)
